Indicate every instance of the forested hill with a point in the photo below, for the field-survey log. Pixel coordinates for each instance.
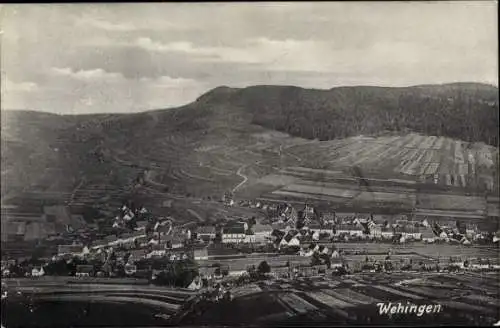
(467, 111)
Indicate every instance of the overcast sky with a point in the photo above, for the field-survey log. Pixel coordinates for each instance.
(91, 58)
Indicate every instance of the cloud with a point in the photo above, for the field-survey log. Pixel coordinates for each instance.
(10, 86)
(105, 25)
(169, 82)
(87, 75)
(252, 51)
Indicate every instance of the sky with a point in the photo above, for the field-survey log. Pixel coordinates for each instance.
(121, 58)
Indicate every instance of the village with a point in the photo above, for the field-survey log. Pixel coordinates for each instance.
(289, 242)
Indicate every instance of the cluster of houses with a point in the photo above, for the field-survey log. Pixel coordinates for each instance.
(289, 228)
(303, 232)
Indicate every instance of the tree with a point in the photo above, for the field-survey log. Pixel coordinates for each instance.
(316, 259)
(263, 268)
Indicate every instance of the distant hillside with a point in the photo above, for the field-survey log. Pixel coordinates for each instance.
(466, 111)
(56, 153)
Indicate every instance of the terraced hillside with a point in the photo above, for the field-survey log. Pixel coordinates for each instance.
(228, 140)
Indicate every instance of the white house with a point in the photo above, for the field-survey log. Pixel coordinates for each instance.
(233, 235)
(376, 231)
(206, 232)
(351, 230)
(387, 233)
(37, 273)
(289, 241)
(306, 252)
(250, 237)
(201, 254)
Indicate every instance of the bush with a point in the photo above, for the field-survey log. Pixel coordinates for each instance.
(263, 268)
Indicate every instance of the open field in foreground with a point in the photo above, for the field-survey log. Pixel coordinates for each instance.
(459, 298)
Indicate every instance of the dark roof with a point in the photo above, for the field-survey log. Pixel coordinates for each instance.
(277, 233)
(233, 230)
(288, 237)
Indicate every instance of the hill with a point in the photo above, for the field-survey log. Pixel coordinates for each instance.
(227, 134)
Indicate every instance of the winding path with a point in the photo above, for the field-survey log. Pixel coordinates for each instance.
(245, 178)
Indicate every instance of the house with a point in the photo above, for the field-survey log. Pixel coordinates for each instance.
(280, 272)
(480, 264)
(427, 235)
(173, 241)
(386, 233)
(196, 284)
(322, 249)
(206, 232)
(289, 213)
(327, 228)
(37, 272)
(308, 271)
(470, 231)
(249, 237)
(409, 232)
(200, 254)
(328, 217)
(84, 270)
(307, 252)
(376, 231)
(233, 234)
(289, 241)
(336, 262)
(350, 230)
(277, 235)
(308, 212)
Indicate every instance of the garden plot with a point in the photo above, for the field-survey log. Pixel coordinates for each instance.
(415, 141)
(353, 153)
(412, 168)
(485, 157)
(351, 296)
(397, 292)
(427, 142)
(407, 159)
(297, 303)
(439, 143)
(426, 161)
(459, 155)
(328, 300)
(367, 156)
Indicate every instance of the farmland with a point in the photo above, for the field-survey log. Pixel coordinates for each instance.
(462, 298)
(62, 301)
